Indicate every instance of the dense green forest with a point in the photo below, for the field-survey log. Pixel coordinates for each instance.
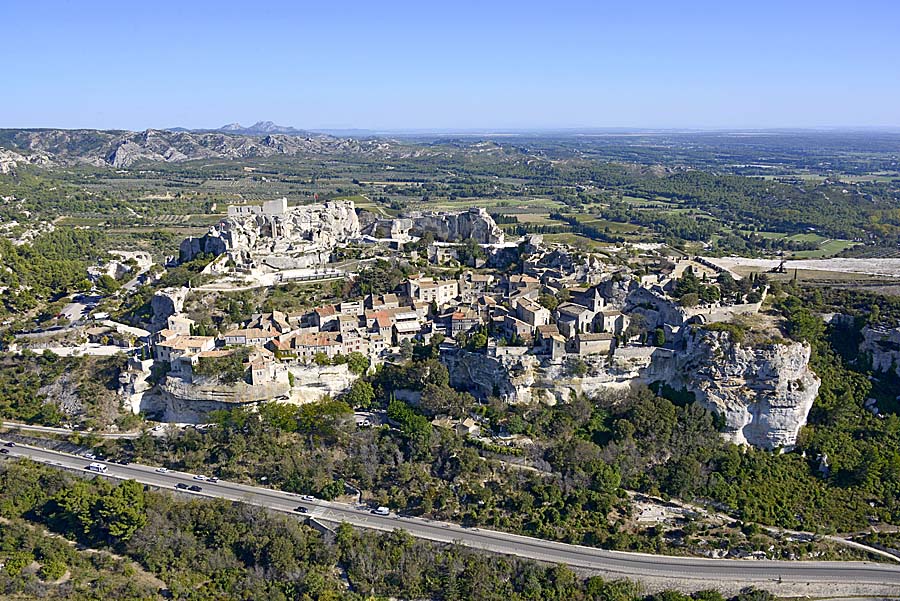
(55, 263)
(214, 549)
(32, 385)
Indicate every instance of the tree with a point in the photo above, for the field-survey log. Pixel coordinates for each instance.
(279, 415)
(726, 284)
(688, 283)
(548, 301)
(107, 284)
(691, 299)
(406, 348)
(659, 337)
(416, 427)
(357, 362)
(361, 394)
(477, 341)
(121, 512)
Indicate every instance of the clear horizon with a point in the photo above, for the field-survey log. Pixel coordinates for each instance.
(407, 67)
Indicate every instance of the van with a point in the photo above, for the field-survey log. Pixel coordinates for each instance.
(97, 467)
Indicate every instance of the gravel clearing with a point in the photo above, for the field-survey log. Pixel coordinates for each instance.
(879, 267)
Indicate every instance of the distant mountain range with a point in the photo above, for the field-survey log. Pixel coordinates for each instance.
(123, 149)
(262, 128)
(120, 149)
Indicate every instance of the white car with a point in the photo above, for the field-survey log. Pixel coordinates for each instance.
(200, 477)
(162, 470)
(308, 498)
(381, 511)
(89, 456)
(213, 479)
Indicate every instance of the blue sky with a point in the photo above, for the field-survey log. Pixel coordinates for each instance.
(446, 65)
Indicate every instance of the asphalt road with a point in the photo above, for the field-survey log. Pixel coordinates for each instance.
(858, 577)
(65, 431)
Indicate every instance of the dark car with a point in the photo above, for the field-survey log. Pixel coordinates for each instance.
(195, 488)
(10, 444)
(301, 509)
(181, 485)
(4, 451)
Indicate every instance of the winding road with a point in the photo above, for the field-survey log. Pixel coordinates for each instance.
(815, 578)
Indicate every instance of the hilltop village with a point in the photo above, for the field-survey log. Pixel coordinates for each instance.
(519, 321)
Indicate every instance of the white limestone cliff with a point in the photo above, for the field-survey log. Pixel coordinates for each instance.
(302, 236)
(475, 224)
(764, 393)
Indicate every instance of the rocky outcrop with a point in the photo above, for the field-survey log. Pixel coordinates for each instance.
(509, 377)
(212, 390)
(9, 160)
(763, 393)
(165, 303)
(303, 236)
(475, 224)
(134, 384)
(615, 290)
(518, 376)
(883, 346)
(312, 382)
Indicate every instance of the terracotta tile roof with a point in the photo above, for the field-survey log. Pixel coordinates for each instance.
(187, 342)
(326, 310)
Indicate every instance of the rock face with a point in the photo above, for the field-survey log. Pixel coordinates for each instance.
(508, 377)
(475, 223)
(303, 236)
(166, 302)
(134, 384)
(764, 394)
(10, 160)
(312, 382)
(883, 346)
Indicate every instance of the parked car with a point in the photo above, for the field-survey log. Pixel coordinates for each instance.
(381, 511)
(199, 477)
(162, 470)
(308, 497)
(213, 479)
